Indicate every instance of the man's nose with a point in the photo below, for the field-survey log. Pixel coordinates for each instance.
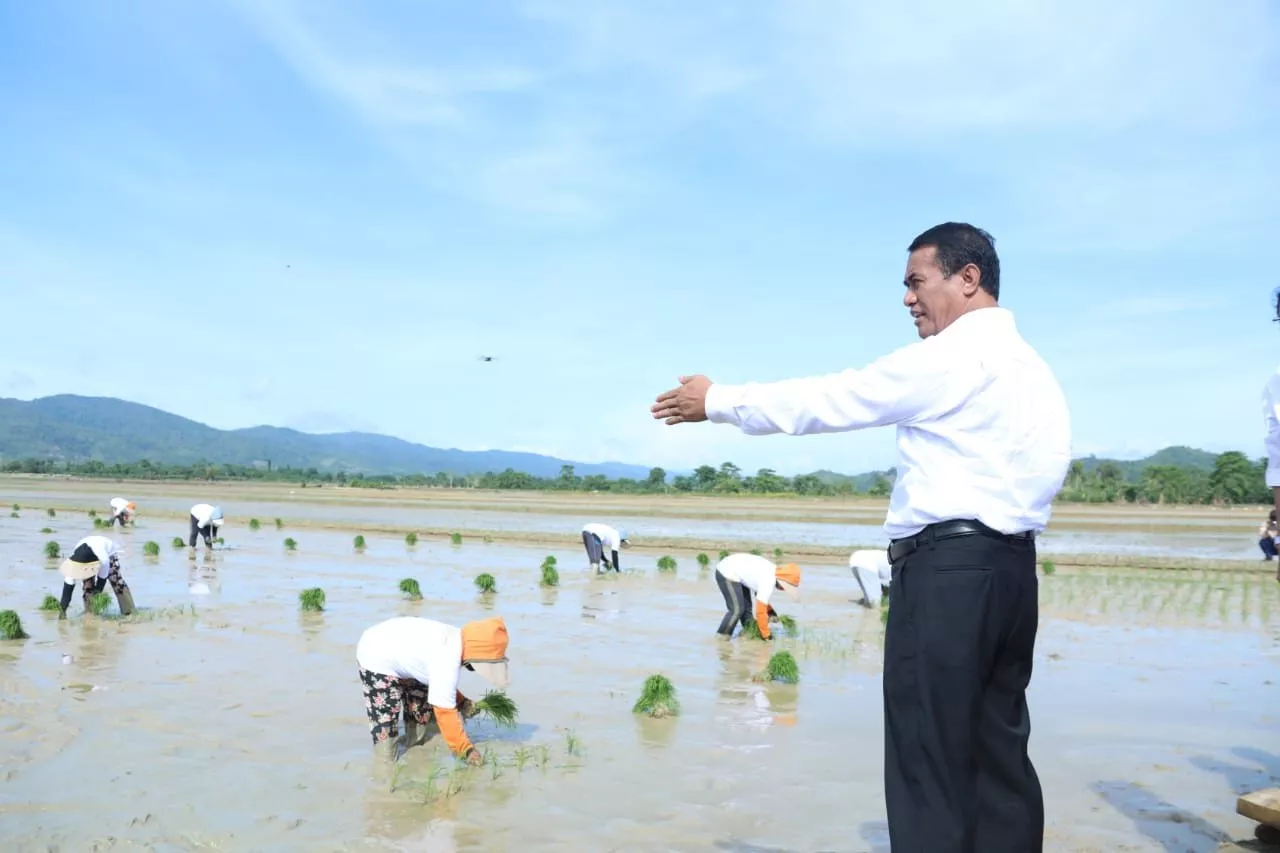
(909, 298)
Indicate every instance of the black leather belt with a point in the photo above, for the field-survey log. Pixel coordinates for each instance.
(900, 548)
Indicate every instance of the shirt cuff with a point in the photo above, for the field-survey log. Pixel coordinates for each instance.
(721, 405)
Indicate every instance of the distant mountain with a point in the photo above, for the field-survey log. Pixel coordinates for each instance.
(1178, 456)
(73, 428)
(861, 482)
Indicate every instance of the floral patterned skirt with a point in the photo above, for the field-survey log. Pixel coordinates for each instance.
(386, 697)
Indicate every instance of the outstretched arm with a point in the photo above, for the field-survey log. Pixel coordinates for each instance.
(762, 618)
(455, 736)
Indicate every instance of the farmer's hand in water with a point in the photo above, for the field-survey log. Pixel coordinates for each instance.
(474, 758)
(686, 404)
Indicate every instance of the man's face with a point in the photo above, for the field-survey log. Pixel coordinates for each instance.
(934, 301)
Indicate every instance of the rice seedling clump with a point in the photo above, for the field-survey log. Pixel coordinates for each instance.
(657, 698)
(312, 599)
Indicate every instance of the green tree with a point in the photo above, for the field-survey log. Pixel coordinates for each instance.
(704, 478)
(767, 480)
(1232, 478)
(657, 479)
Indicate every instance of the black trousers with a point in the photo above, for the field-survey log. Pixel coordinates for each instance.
(962, 625)
(737, 601)
(197, 531)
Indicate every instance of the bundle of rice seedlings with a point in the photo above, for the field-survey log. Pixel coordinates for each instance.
(498, 707)
(290, 544)
(486, 583)
(52, 512)
(666, 563)
(219, 541)
(16, 508)
(455, 538)
(93, 513)
(254, 524)
(751, 630)
(99, 523)
(550, 577)
(781, 667)
(312, 599)
(724, 554)
(178, 542)
(777, 554)
(549, 560)
(409, 586)
(757, 552)
(279, 524)
(99, 603)
(1049, 567)
(411, 539)
(151, 549)
(14, 515)
(358, 543)
(657, 698)
(45, 531)
(789, 625)
(11, 626)
(50, 603)
(703, 561)
(52, 550)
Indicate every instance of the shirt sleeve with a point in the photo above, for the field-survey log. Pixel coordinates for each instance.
(1271, 418)
(908, 384)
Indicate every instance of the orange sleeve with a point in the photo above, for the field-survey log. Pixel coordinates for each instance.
(762, 618)
(451, 727)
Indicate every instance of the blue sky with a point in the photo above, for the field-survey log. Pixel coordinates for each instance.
(318, 214)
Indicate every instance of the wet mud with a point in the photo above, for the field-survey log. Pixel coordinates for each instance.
(220, 717)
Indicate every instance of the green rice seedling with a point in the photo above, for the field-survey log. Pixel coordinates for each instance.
(549, 560)
(220, 541)
(781, 667)
(11, 626)
(409, 586)
(756, 552)
(550, 576)
(17, 508)
(455, 538)
(52, 513)
(98, 524)
(657, 698)
(572, 744)
(724, 554)
(751, 630)
(93, 513)
(666, 564)
(544, 755)
(151, 549)
(99, 603)
(15, 515)
(522, 756)
(358, 543)
(254, 524)
(777, 554)
(290, 544)
(703, 562)
(279, 524)
(485, 582)
(178, 542)
(1049, 567)
(312, 600)
(411, 539)
(46, 530)
(498, 707)
(52, 550)
(50, 603)
(789, 625)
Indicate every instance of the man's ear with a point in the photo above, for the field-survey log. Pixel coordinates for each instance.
(970, 279)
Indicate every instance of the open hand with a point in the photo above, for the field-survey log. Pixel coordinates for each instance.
(686, 404)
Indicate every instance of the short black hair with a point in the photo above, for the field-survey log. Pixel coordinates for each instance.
(959, 244)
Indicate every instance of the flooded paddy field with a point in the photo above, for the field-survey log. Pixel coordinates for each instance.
(221, 718)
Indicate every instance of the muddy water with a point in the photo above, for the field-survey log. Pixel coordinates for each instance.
(222, 718)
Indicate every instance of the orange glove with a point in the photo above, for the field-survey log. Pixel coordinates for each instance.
(762, 618)
(451, 728)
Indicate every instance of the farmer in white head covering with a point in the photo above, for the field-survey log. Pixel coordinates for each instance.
(94, 562)
(204, 519)
(122, 511)
(601, 540)
(872, 571)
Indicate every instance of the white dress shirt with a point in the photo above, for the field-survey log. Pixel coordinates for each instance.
(1271, 417)
(983, 427)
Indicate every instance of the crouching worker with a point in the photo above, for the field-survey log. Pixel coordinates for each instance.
(410, 665)
(204, 519)
(94, 562)
(871, 570)
(740, 576)
(122, 511)
(603, 543)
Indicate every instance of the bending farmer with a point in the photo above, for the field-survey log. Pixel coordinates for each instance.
(741, 575)
(204, 518)
(94, 561)
(410, 665)
(121, 511)
(872, 572)
(601, 540)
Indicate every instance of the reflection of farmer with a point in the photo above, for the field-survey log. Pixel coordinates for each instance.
(121, 511)
(601, 539)
(741, 575)
(1268, 533)
(94, 561)
(872, 572)
(204, 518)
(411, 665)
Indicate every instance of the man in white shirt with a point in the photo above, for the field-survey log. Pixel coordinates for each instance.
(94, 561)
(872, 572)
(121, 511)
(204, 519)
(601, 538)
(1271, 421)
(742, 576)
(411, 666)
(983, 446)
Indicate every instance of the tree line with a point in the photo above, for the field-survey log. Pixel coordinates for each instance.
(1234, 479)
